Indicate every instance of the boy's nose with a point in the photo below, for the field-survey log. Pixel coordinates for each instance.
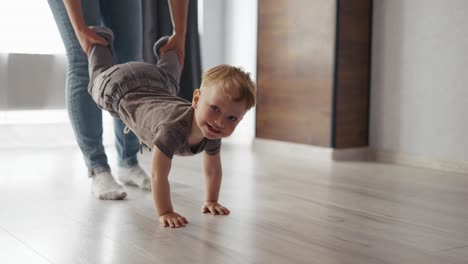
(219, 122)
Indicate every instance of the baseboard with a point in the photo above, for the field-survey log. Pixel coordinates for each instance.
(315, 152)
(353, 154)
(358, 154)
(458, 166)
(291, 149)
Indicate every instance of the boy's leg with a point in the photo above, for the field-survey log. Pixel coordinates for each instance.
(125, 21)
(169, 62)
(158, 45)
(100, 57)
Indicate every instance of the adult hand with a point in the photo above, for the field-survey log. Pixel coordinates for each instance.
(177, 43)
(88, 38)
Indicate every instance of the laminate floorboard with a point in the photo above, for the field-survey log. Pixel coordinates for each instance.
(284, 209)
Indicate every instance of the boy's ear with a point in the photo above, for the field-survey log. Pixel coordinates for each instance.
(196, 98)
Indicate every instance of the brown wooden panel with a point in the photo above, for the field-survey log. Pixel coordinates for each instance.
(352, 83)
(296, 40)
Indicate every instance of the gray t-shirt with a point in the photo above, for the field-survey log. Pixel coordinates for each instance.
(161, 119)
(145, 97)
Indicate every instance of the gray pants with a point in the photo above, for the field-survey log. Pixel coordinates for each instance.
(109, 82)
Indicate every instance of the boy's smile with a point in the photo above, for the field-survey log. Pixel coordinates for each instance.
(213, 130)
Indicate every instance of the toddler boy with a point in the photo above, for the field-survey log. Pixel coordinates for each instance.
(145, 97)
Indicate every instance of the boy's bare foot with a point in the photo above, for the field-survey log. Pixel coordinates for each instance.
(106, 188)
(135, 176)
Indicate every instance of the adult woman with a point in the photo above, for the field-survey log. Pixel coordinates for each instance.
(124, 17)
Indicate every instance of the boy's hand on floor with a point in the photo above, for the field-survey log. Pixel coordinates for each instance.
(173, 219)
(214, 208)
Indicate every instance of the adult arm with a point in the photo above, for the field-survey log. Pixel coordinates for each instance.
(179, 12)
(85, 35)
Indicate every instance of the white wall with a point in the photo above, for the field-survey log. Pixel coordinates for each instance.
(419, 88)
(229, 33)
(230, 36)
(212, 35)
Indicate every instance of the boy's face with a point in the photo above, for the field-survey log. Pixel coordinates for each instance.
(215, 113)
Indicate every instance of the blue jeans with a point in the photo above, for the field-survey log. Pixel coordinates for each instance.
(124, 18)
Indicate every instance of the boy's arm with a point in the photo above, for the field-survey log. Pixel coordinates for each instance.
(86, 36)
(161, 166)
(213, 176)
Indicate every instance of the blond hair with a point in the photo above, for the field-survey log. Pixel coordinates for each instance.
(232, 81)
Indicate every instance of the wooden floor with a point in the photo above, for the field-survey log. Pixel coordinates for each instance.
(283, 210)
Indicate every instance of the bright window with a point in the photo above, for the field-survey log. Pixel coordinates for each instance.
(27, 26)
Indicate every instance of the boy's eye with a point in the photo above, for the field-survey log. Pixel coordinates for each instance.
(214, 108)
(232, 118)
